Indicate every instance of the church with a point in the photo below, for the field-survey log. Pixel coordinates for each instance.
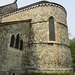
(34, 38)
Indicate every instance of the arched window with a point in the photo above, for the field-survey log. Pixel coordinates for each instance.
(12, 41)
(51, 29)
(17, 41)
(21, 45)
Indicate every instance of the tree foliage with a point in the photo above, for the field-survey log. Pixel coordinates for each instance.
(72, 45)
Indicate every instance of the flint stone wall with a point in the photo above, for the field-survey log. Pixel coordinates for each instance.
(42, 13)
(48, 58)
(39, 19)
(39, 54)
(11, 57)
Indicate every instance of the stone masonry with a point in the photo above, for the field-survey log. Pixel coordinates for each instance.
(39, 54)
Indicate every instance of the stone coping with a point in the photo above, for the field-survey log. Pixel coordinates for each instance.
(14, 22)
(47, 21)
(50, 42)
(38, 70)
(51, 69)
(63, 24)
(38, 4)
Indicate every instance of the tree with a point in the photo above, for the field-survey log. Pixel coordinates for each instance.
(72, 45)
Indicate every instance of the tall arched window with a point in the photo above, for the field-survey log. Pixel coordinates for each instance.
(51, 29)
(17, 41)
(21, 45)
(12, 41)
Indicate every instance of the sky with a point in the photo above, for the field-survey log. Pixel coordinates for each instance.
(68, 4)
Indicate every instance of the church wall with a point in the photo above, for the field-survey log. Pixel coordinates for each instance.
(41, 33)
(40, 19)
(62, 34)
(48, 58)
(42, 13)
(11, 58)
(40, 53)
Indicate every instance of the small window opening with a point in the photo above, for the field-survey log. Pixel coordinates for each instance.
(13, 74)
(17, 42)
(21, 44)
(12, 41)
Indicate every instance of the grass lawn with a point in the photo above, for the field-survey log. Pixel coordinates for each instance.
(50, 74)
(53, 73)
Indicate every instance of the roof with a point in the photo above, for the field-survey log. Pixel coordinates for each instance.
(40, 2)
(37, 3)
(8, 8)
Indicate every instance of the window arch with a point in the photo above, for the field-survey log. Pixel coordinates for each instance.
(51, 29)
(12, 41)
(17, 41)
(21, 45)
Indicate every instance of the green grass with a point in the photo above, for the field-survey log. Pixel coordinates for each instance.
(50, 74)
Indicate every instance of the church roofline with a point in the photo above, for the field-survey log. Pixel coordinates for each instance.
(6, 9)
(37, 4)
(40, 2)
(7, 5)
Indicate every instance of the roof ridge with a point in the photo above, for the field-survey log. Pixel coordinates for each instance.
(6, 5)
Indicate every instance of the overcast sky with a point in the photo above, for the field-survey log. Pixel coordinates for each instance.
(68, 4)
